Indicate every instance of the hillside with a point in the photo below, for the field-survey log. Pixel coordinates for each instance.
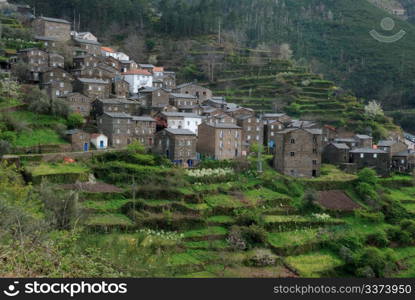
(331, 37)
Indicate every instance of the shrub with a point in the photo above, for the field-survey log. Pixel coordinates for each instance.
(378, 239)
(254, 235)
(248, 217)
(261, 258)
(75, 120)
(235, 239)
(368, 176)
(371, 217)
(366, 191)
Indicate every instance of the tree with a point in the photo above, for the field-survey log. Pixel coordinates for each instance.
(75, 120)
(373, 110)
(62, 207)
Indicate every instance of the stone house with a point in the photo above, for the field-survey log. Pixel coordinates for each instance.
(201, 93)
(252, 131)
(208, 111)
(237, 111)
(117, 127)
(78, 103)
(179, 145)
(280, 117)
(404, 162)
(143, 130)
(216, 102)
(155, 97)
(363, 141)
(298, 152)
(90, 47)
(84, 36)
(169, 80)
(37, 61)
(115, 105)
(336, 154)
(376, 159)
(85, 61)
(147, 67)
(158, 83)
(128, 65)
(88, 72)
(271, 128)
(120, 88)
(392, 146)
(138, 79)
(112, 62)
(80, 140)
(93, 88)
(53, 28)
(220, 141)
(184, 102)
(57, 88)
(220, 118)
(178, 120)
(49, 43)
(108, 72)
(350, 142)
(55, 74)
(56, 60)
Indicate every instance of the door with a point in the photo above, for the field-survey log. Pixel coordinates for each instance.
(101, 144)
(86, 147)
(190, 163)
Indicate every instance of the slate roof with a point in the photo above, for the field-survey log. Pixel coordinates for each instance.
(363, 137)
(386, 143)
(118, 115)
(340, 146)
(92, 80)
(224, 125)
(180, 131)
(368, 150)
(180, 114)
(55, 20)
(144, 119)
(184, 96)
(82, 41)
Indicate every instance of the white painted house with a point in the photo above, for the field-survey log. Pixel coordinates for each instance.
(178, 120)
(138, 79)
(100, 141)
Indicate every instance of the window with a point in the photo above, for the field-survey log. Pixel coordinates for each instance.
(248, 137)
(272, 134)
(249, 120)
(314, 163)
(362, 155)
(375, 155)
(249, 128)
(292, 141)
(221, 145)
(292, 154)
(314, 150)
(62, 84)
(272, 127)
(257, 137)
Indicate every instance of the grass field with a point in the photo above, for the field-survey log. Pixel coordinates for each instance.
(54, 169)
(314, 264)
(39, 137)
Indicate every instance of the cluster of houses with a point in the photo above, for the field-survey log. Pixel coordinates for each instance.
(128, 101)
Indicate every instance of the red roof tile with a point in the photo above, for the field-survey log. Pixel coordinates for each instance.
(137, 72)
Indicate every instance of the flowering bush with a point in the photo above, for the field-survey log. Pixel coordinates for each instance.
(210, 175)
(172, 236)
(321, 217)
